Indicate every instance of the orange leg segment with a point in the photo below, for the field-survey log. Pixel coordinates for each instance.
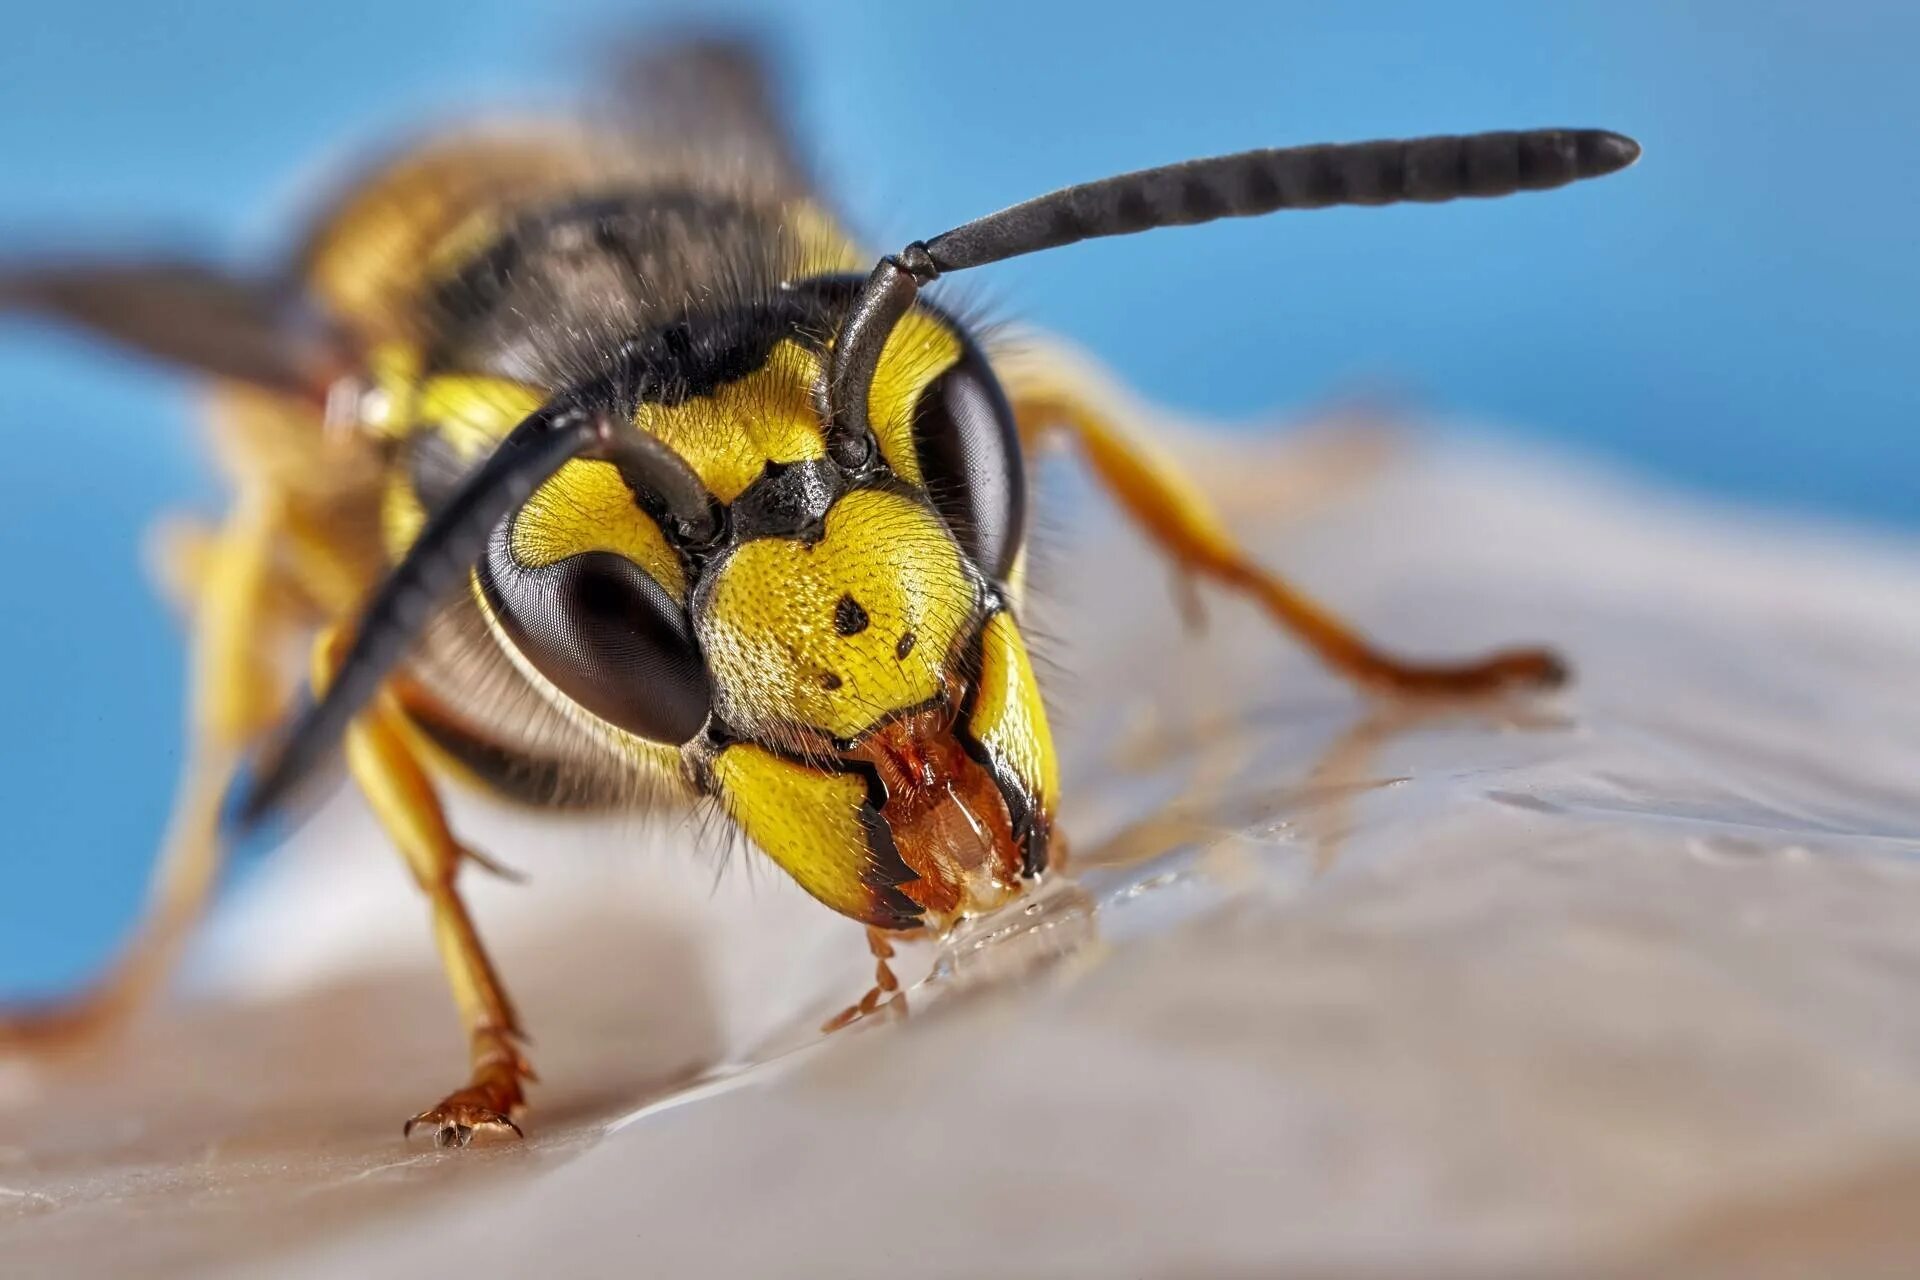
(1171, 510)
(401, 795)
(884, 985)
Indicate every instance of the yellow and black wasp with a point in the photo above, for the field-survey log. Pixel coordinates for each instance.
(600, 467)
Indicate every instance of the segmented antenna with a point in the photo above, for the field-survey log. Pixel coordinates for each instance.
(570, 426)
(449, 545)
(1237, 186)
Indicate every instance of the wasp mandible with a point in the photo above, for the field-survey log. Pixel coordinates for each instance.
(598, 467)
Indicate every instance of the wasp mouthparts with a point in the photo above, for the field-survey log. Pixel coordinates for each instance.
(949, 822)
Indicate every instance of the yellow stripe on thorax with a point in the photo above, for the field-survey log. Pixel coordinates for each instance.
(408, 222)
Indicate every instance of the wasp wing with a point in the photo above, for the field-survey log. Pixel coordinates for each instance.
(713, 98)
(189, 314)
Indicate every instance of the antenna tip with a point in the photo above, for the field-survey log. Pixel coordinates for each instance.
(1603, 152)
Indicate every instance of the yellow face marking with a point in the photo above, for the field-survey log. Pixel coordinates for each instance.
(1008, 718)
(730, 436)
(586, 506)
(806, 820)
(919, 349)
(841, 633)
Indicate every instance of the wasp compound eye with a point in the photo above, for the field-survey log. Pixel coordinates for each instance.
(606, 634)
(969, 451)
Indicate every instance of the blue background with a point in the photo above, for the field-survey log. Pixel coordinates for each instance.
(1736, 315)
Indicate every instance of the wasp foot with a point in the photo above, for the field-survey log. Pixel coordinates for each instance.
(455, 1120)
(487, 1105)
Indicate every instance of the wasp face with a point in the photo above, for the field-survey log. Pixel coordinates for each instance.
(894, 756)
(840, 667)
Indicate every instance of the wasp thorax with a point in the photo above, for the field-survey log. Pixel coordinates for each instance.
(838, 633)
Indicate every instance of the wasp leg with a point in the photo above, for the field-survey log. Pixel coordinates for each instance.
(228, 582)
(884, 985)
(1167, 505)
(402, 797)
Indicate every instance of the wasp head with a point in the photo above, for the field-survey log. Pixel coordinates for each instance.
(834, 651)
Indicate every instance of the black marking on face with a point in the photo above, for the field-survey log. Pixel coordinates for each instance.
(829, 681)
(884, 871)
(788, 500)
(849, 618)
(904, 645)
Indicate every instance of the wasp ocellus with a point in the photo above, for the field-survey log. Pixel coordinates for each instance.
(595, 464)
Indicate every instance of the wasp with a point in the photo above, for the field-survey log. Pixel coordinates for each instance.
(595, 465)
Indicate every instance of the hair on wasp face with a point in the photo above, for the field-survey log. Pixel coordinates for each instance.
(580, 422)
(744, 631)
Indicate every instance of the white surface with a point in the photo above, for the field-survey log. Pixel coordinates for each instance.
(1625, 979)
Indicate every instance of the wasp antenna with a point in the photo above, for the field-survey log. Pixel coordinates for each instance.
(434, 566)
(452, 541)
(1244, 185)
(885, 297)
(1258, 182)
(651, 468)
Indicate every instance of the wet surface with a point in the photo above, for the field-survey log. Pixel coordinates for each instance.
(1618, 980)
